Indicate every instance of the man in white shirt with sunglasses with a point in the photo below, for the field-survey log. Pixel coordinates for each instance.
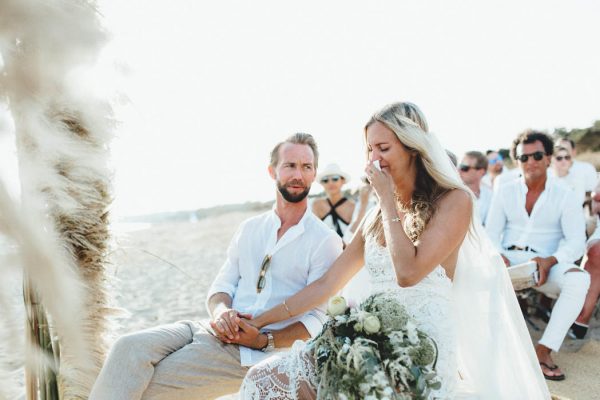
(581, 170)
(271, 257)
(471, 170)
(536, 218)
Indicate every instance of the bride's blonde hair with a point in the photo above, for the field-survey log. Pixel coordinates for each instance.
(410, 126)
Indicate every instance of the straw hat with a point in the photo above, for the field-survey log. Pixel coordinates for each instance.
(333, 169)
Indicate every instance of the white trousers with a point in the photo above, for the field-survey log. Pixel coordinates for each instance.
(174, 361)
(570, 287)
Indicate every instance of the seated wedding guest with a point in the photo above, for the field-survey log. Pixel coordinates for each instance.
(494, 169)
(497, 172)
(562, 163)
(471, 169)
(592, 265)
(581, 170)
(272, 256)
(536, 218)
(335, 209)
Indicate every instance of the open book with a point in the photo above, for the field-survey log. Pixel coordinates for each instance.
(524, 276)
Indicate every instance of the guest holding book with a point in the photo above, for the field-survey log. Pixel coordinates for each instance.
(536, 218)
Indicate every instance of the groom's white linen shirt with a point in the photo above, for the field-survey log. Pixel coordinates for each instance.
(302, 255)
(556, 226)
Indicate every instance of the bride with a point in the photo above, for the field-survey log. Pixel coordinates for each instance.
(424, 245)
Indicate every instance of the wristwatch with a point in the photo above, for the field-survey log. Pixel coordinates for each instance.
(270, 342)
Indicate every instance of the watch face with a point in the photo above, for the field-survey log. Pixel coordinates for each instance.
(270, 342)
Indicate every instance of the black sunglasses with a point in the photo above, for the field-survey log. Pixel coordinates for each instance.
(333, 178)
(260, 285)
(560, 158)
(537, 156)
(466, 168)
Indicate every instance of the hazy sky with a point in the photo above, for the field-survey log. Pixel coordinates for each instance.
(214, 85)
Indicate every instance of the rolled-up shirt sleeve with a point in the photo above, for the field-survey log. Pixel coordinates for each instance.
(496, 220)
(229, 275)
(572, 222)
(324, 256)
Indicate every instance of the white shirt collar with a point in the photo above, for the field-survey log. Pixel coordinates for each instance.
(291, 234)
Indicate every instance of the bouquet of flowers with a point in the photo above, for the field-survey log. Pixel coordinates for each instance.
(373, 351)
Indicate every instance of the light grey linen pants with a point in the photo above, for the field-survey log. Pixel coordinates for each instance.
(180, 361)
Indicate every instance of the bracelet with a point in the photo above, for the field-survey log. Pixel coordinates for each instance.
(397, 219)
(287, 309)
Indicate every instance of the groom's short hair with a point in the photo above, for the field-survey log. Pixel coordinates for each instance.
(296, 138)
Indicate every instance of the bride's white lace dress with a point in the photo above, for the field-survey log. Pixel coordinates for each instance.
(292, 376)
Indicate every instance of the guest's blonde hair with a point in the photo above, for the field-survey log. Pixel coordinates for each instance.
(432, 181)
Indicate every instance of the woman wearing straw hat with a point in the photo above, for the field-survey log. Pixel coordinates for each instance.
(335, 209)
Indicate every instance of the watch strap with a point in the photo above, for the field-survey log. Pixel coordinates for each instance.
(270, 342)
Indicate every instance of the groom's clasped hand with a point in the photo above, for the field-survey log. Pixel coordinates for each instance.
(234, 327)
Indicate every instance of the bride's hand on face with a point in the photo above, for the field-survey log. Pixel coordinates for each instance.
(381, 182)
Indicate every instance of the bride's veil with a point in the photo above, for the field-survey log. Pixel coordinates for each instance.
(495, 352)
(496, 355)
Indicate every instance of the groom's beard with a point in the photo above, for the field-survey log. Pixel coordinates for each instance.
(293, 198)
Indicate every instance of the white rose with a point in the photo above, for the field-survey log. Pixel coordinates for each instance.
(413, 335)
(372, 324)
(364, 388)
(336, 306)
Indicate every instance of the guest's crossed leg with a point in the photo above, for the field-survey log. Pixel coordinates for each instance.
(569, 284)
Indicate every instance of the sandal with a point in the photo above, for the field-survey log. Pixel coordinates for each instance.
(578, 330)
(560, 377)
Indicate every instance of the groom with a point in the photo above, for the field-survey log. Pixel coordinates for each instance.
(271, 257)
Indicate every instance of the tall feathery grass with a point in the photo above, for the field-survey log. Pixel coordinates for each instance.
(61, 224)
(56, 283)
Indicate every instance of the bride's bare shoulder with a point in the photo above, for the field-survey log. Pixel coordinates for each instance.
(460, 196)
(457, 202)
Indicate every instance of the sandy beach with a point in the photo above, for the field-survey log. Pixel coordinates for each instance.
(160, 274)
